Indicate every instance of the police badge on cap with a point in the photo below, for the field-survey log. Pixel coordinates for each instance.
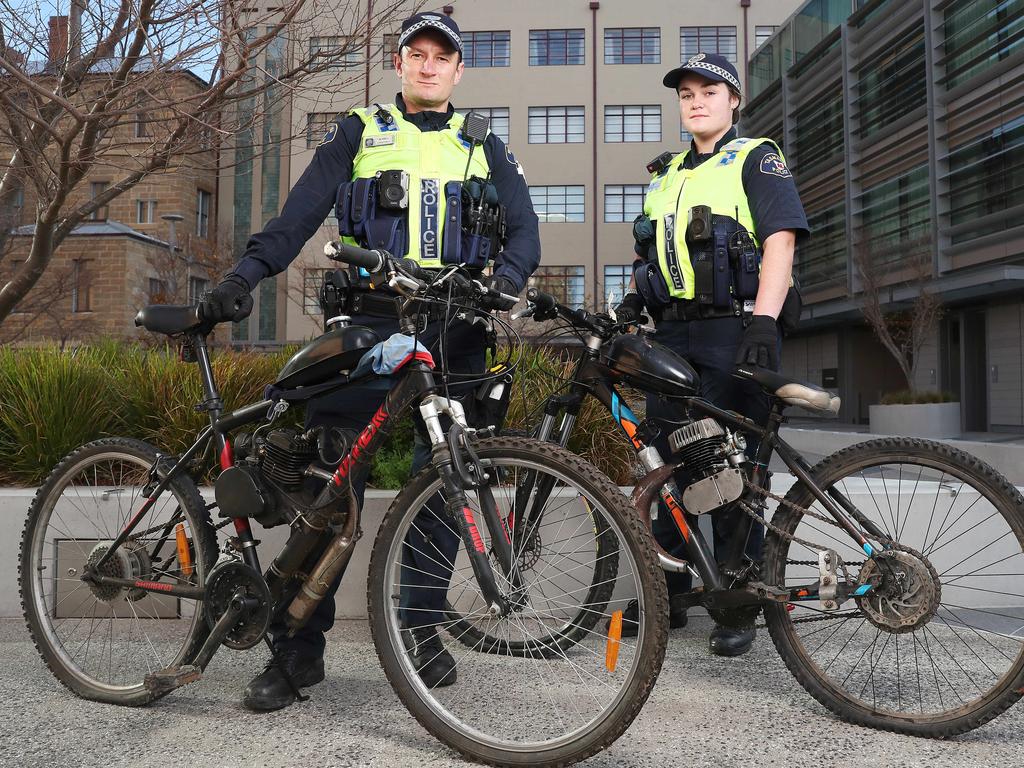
(423, 21)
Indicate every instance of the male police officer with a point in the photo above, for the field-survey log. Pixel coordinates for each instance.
(417, 147)
(716, 246)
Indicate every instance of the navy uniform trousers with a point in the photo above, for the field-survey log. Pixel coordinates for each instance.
(431, 541)
(710, 345)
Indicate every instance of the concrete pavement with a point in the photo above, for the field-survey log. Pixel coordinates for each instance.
(704, 711)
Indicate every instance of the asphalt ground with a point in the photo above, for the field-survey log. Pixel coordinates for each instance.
(704, 711)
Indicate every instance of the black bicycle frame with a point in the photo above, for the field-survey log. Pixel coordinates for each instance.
(415, 384)
(591, 377)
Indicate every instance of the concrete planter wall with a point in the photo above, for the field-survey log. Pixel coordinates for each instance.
(917, 420)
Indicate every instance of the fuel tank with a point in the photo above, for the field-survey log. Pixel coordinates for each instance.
(649, 366)
(326, 356)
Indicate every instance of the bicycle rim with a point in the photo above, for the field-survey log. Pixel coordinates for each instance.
(937, 647)
(548, 697)
(102, 641)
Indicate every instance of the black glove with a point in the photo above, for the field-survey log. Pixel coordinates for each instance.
(630, 309)
(500, 285)
(230, 300)
(760, 344)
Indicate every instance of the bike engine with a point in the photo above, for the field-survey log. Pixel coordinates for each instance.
(714, 458)
(268, 479)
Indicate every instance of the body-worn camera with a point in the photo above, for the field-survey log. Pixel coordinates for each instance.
(699, 227)
(393, 190)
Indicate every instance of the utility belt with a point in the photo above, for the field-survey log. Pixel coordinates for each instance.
(725, 260)
(375, 212)
(681, 309)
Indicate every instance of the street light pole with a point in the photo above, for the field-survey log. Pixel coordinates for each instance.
(172, 248)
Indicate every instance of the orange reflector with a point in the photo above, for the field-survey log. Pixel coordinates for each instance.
(611, 651)
(184, 553)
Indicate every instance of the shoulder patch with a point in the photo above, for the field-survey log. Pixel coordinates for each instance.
(773, 165)
(332, 131)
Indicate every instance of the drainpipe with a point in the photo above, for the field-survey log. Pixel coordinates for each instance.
(745, 5)
(594, 6)
(369, 50)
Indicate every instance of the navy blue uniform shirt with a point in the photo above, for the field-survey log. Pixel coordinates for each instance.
(312, 198)
(771, 192)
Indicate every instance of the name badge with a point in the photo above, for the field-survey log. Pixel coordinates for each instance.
(379, 141)
(748, 306)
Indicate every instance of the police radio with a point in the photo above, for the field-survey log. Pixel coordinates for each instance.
(474, 130)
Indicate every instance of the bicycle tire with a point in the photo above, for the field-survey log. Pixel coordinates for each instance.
(860, 470)
(636, 551)
(96, 516)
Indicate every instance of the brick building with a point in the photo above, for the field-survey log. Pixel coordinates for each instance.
(121, 258)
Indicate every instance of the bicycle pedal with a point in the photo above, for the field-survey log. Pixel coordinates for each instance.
(172, 678)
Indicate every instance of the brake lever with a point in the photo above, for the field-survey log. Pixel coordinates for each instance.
(528, 312)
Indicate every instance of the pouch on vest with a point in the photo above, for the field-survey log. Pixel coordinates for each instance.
(745, 262)
(651, 285)
(386, 232)
(343, 209)
(644, 232)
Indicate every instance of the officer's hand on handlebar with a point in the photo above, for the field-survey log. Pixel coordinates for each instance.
(501, 294)
(230, 300)
(760, 344)
(630, 310)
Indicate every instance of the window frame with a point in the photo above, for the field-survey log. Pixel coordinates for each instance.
(545, 37)
(549, 114)
(646, 111)
(646, 35)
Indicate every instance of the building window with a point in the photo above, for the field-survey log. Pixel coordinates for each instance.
(316, 127)
(720, 40)
(487, 49)
(81, 287)
(978, 34)
(616, 283)
(895, 218)
(145, 211)
(632, 45)
(985, 181)
(157, 291)
(498, 117)
(197, 286)
(556, 125)
(203, 201)
(558, 204)
(312, 281)
(97, 188)
(623, 202)
(556, 47)
(821, 258)
(685, 136)
(819, 138)
(632, 122)
(763, 33)
(892, 84)
(389, 50)
(564, 283)
(337, 52)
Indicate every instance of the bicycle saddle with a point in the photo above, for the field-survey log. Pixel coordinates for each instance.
(168, 319)
(791, 391)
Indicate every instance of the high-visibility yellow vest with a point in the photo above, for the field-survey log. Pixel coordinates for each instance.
(717, 183)
(431, 158)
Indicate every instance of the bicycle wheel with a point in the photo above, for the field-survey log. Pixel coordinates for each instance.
(536, 544)
(937, 647)
(554, 705)
(101, 641)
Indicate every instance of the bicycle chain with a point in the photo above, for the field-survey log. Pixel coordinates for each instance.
(810, 545)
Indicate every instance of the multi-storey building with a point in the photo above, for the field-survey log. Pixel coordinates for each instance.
(903, 124)
(573, 87)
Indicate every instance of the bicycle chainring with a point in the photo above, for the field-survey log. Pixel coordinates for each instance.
(224, 581)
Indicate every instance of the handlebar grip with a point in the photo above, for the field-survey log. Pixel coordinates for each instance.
(544, 302)
(371, 261)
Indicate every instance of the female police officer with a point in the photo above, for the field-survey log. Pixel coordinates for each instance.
(716, 248)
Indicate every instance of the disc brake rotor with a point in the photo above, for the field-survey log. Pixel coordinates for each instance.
(906, 590)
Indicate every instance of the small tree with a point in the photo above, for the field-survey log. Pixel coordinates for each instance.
(902, 328)
(69, 101)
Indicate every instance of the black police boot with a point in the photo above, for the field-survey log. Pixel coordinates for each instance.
(269, 690)
(433, 663)
(631, 616)
(726, 641)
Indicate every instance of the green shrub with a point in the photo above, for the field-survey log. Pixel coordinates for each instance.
(50, 403)
(911, 397)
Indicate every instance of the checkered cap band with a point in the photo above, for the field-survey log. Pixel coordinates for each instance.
(419, 26)
(720, 71)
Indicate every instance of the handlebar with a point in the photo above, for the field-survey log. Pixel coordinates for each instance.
(544, 306)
